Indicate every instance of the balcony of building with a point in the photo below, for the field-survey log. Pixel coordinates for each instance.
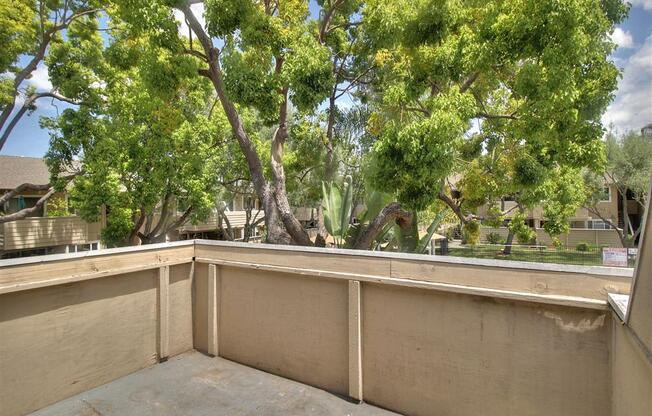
(206, 327)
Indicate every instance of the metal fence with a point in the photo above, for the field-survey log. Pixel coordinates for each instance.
(589, 256)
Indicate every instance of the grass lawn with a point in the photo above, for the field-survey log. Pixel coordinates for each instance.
(541, 255)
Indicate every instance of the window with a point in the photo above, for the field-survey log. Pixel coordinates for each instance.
(605, 196)
(78, 248)
(598, 225)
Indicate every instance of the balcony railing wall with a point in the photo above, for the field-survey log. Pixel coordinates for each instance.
(414, 334)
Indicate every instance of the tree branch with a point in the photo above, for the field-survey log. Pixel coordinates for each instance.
(27, 106)
(28, 211)
(496, 116)
(469, 81)
(391, 212)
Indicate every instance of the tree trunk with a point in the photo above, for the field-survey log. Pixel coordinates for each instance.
(292, 225)
(391, 212)
(626, 241)
(509, 242)
(275, 229)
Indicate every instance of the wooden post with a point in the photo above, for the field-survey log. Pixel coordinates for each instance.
(355, 344)
(214, 283)
(164, 312)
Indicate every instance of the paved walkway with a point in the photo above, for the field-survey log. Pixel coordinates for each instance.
(194, 384)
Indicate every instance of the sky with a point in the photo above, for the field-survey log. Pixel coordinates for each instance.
(630, 110)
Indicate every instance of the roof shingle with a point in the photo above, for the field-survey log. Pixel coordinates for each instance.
(16, 170)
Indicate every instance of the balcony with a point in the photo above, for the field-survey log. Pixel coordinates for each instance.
(237, 219)
(207, 327)
(39, 232)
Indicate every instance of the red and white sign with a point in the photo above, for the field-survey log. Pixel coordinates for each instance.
(616, 257)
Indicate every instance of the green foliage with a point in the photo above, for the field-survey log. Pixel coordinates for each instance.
(18, 31)
(413, 159)
(583, 246)
(536, 75)
(422, 247)
(338, 206)
(309, 72)
(223, 17)
(248, 80)
(494, 238)
(146, 140)
(471, 233)
(523, 233)
(564, 194)
(57, 207)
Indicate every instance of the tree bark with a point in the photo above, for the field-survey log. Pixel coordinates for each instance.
(623, 194)
(292, 225)
(508, 243)
(391, 212)
(27, 211)
(275, 230)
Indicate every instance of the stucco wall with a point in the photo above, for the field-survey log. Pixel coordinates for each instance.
(631, 374)
(468, 355)
(439, 336)
(423, 351)
(60, 340)
(289, 325)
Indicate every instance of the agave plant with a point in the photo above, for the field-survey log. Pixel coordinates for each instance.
(338, 206)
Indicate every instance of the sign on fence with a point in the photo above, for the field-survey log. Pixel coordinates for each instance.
(614, 257)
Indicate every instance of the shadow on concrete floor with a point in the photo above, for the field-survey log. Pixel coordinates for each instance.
(194, 384)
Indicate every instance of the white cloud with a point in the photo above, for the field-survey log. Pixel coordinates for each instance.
(622, 38)
(646, 4)
(40, 78)
(632, 108)
(197, 10)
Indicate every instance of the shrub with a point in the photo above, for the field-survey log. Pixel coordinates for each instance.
(494, 238)
(57, 206)
(583, 246)
(471, 233)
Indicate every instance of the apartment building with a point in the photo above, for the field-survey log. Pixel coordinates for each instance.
(43, 232)
(48, 232)
(585, 226)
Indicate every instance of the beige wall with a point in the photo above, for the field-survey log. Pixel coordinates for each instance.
(236, 218)
(631, 373)
(60, 340)
(570, 240)
(465, 355)
(439, 336)
(48, 231)
(288, 325)
(608, 209)
(424, 351)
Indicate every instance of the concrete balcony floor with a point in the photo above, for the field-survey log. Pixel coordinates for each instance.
(195, 384)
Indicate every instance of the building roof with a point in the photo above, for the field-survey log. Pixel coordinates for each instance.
(16, 170)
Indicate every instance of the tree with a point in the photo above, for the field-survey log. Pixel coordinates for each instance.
(28, 31)
(149, 145)
(502, 96)
(628, 168)
(271, 56)
(29, 28)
